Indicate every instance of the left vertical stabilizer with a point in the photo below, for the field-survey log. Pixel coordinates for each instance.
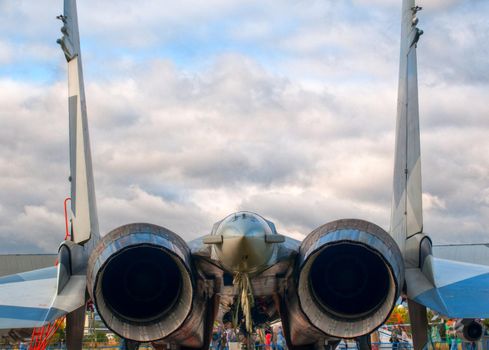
(83, 204)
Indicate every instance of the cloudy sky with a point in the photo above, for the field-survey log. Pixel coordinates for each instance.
(200, 108)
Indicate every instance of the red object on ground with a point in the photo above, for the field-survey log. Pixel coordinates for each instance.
(42, 335)
(268, 341)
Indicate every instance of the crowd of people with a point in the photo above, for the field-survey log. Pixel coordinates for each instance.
(442, 337)
(225, 337)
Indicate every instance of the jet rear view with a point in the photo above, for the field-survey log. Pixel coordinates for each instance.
(141, 280)
(341, 281)
(349, 276)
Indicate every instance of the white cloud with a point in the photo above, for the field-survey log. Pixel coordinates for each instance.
(431, 202)
(6, 52)
(291, 115)
(430, 5)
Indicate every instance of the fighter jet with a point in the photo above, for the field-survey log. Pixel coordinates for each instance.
(341, 281)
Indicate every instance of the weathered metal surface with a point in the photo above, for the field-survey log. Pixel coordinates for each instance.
(144, 236)
(298, 329)
(369, 239)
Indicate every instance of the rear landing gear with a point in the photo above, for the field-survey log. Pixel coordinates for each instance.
(331, 345)
(129, 344)
(363, 342)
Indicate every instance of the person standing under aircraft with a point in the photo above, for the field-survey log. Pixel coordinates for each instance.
(375, 340)
(395, 337)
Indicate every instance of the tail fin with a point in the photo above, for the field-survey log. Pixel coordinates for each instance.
(407, 209)
(407, 212)
(83, 204)
(453, 289)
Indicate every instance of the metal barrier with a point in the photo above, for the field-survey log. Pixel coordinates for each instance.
(482, 344)
(352, 345)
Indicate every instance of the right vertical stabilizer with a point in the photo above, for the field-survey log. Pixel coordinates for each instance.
(406, 215)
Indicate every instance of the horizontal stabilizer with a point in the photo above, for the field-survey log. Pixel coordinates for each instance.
(30, 299)
(451, 288)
